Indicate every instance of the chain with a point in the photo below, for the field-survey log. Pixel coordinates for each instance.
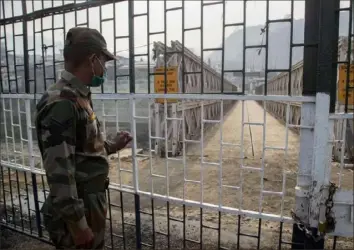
(330, 220)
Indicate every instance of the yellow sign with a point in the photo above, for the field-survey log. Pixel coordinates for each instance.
(172, 83)
(342, 82)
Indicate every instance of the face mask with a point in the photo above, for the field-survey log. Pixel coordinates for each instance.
(98, 80)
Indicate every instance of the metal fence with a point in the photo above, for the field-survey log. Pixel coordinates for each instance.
(149, 207)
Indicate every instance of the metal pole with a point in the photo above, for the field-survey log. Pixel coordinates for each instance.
(25, 47)
(304, 181)
(327, 55)
(131, 47)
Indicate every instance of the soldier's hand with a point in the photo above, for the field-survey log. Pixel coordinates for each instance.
(84, 239)
(122, 139)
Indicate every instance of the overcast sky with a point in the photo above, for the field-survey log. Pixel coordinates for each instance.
(212, 21)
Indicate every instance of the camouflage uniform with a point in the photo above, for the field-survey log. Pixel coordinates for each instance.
(74, 155)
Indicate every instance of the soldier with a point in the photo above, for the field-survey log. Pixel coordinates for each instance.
(73, 150)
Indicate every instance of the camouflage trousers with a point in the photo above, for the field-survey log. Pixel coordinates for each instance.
(95, 212)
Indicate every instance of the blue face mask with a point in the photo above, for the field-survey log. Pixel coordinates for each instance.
(98, 80)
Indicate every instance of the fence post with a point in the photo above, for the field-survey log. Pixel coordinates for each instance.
(319, 77)
(327, 77)
(132, 107)
(304, 180)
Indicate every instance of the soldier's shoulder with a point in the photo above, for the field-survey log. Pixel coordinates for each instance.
(58, 92)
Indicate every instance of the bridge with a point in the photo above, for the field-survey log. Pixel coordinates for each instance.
(291, 113)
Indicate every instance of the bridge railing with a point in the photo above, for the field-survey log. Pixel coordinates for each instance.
(191, 78)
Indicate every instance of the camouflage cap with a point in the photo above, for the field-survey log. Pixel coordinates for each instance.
(90, 38)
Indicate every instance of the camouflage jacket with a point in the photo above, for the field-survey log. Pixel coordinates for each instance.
(72, 147)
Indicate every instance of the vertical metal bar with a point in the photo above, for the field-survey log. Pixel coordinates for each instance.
(333, 91)
(29, 133)
(164, 50)
(137, 221)
(259, 233)
(133, 130)
(168, 225)
(221, 150)
(114, 46)
(349, 51)
(182, 62)
(291, 47)
(280, 235)
(36, 205)
(44, 48)
(244, 49)
(28, 204)
(43, 187)
(287, 116)
(223, 47)
(19, 199)
(75, 14)
(184, 226)
(263, 155)
(342, 151)
(202, 153)
(34, 54)
(266, 49)
(122, 217)
(153, 223)
(184, 149)
(201, 49)
(334, 242)
(321, 165)
(150, 148)
(166, 149)
(148, 45)
(5, 130)
(110, 217)
(14, 47)
(53, 44)
(3, 192)
(131, 47)
(117, 129)
(304, 178)
(238, 230)
(201, 226)
(219, 229)
(6, 53)
(20, 127)
(242, 153)
(12, 199)
(100, 16)
(25, 48)
(13, 132)
(310, 52)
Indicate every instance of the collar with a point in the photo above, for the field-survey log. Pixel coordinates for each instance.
(75, 83)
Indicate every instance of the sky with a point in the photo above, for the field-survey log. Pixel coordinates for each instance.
(212, 22)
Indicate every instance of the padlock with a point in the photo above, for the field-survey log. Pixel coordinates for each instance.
(322, 227)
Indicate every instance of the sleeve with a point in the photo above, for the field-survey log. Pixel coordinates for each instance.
(58, 140)
(110, 147)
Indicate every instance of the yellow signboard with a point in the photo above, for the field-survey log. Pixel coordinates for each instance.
(342, 82)
(172, 82)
